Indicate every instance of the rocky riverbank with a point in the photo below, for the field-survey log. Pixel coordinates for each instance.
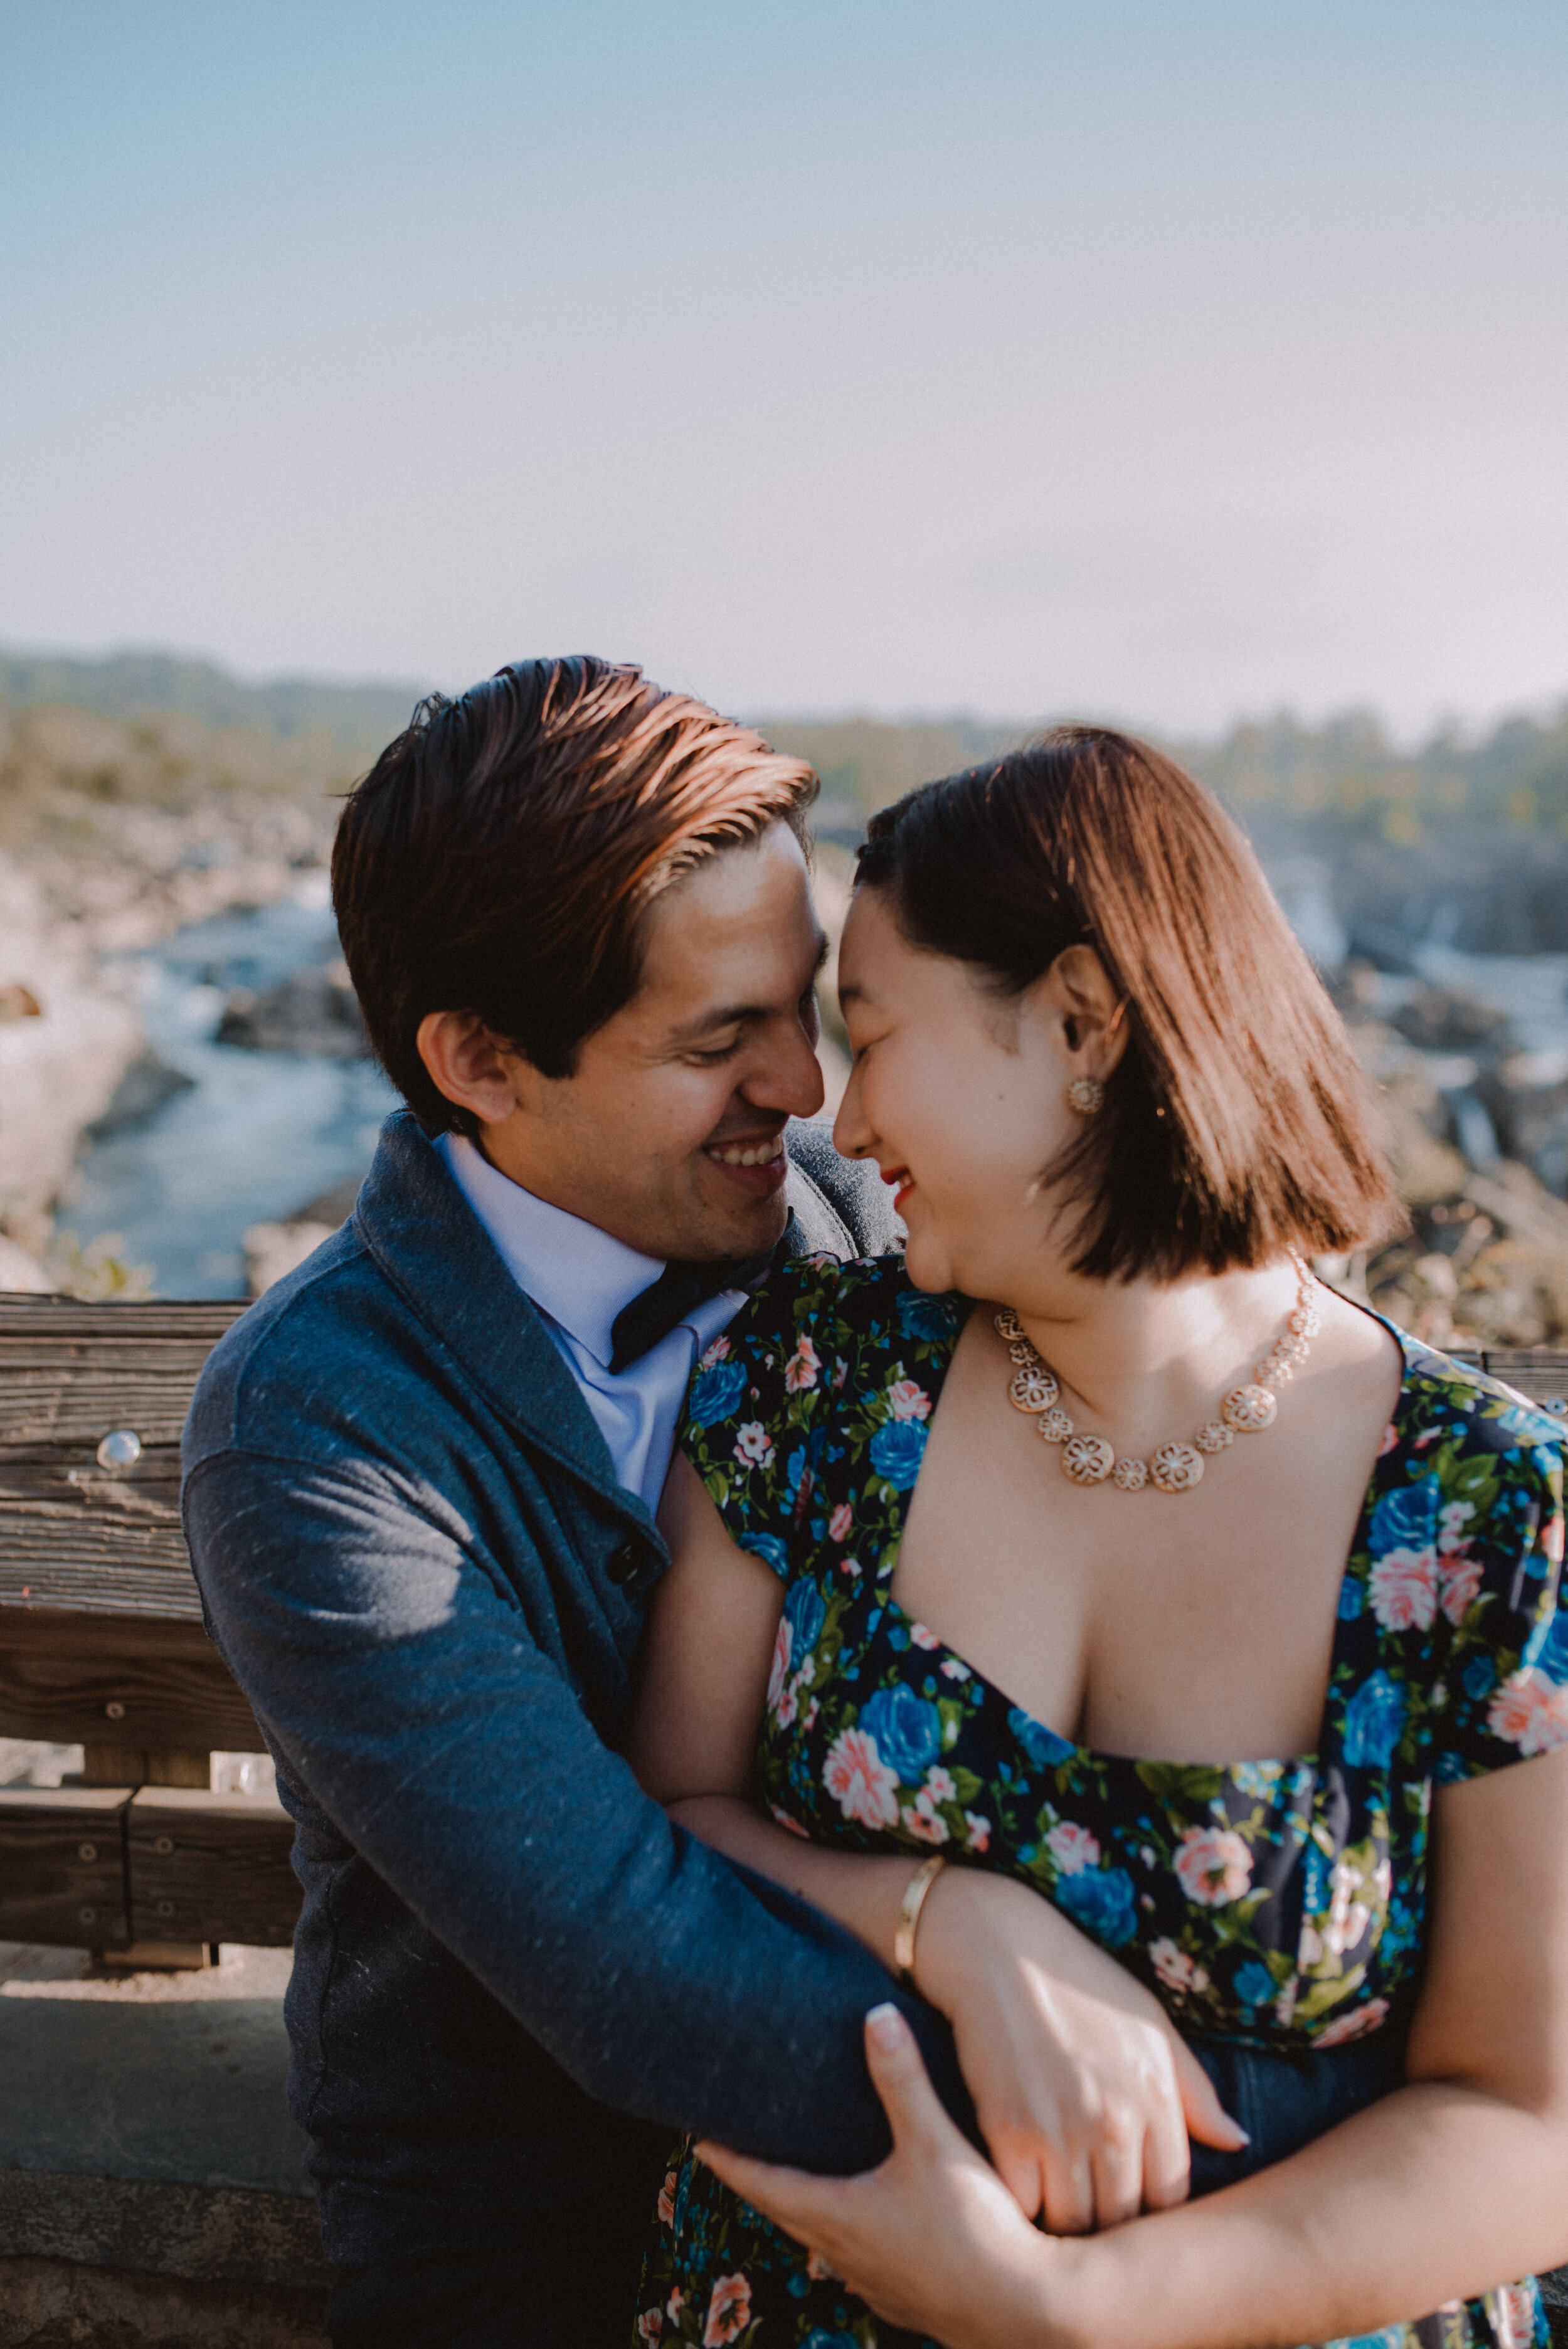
(113, 835)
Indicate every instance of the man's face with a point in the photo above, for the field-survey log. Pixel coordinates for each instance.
(693, 1077)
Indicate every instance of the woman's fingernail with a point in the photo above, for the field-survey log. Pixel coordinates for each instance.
(1242, 2136)
(886, 2027)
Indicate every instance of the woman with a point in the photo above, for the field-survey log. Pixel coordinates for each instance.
(1119, 1111)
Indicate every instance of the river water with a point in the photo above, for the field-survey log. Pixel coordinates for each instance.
(257, 1135)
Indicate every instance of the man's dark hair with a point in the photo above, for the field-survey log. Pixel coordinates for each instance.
(500, 855)
(1239, 1123)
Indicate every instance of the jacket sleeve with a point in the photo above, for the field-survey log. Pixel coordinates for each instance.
(401, 1689)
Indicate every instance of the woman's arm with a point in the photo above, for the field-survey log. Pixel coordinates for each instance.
(1084, 2093)
(1451, 2186)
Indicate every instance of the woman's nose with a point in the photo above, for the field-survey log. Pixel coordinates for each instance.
(852, 1134)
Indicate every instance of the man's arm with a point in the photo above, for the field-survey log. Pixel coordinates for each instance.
(402, 1689)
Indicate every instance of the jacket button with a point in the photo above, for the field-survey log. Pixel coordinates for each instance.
(623, 1561)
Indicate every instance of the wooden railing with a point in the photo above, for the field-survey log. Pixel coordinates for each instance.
(102, 1645)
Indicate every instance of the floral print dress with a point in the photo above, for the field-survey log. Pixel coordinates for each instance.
(1275, 1907)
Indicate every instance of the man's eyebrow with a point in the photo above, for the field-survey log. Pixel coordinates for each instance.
(722, 1016)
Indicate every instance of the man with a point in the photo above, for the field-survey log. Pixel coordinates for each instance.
(420, 1478)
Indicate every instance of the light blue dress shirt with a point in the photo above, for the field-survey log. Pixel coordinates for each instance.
(579, 1278)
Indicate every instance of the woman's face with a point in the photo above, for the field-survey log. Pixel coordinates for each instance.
(961, 1099)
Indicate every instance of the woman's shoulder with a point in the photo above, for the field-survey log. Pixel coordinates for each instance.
(1461, 1409)
(1463, 1550)
(815, 1325)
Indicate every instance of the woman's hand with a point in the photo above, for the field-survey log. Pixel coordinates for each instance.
(931, 2239)
(1085, 2093)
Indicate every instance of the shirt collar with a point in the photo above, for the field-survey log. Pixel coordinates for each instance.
(579, 1276)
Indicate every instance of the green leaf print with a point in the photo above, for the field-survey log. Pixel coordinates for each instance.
(1182, 1782)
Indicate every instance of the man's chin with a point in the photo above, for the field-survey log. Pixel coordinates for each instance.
(741, 1216)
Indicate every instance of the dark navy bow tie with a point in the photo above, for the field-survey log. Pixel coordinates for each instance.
(679, 1289)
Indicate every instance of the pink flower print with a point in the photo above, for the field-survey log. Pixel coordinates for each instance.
(841, 1521)
(841, 1372)
(860, 1781)
(1353, 2025)
(1214, 1865)
(819, 2271)
(788, 1705)
(674, 2305)
(1175, 1969)
(1428, 1435)
(1531, 1712)
(1552, 1534)
(908, 1400)
(1309, 1952)
(1404, 1588)
(779, 1670)
(801, 1368)
(1072, 1847)
(953, 1670)
(851, 1567)
(809, 1718)
(1459, 1581)
(667, 2208)
(1512, 2315)
(754, 1445)
(939, 1784)
(979, 1836)
(650, 2324)
(1390, 1438)
(1451, 1522)
(728, 2312)
(922, 1820)
(717, 1353)
(791, 1827)
(922, 1637)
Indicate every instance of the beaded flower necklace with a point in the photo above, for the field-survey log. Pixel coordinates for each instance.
(1173, 1467)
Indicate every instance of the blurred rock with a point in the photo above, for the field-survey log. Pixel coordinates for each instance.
(21, 1274)
(274, 1249)
(311, 1011)
(147, 1084)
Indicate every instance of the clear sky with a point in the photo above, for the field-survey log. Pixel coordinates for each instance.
(1164, 358)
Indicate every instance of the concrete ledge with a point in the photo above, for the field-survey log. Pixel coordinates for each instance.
(45, 2304)
(209, 2234)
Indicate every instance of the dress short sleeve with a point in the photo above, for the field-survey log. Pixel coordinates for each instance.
(1499, 1568)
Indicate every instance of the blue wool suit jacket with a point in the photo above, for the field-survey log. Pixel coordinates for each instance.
(513, 1978)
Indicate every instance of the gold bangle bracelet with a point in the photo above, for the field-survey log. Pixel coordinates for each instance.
(909, 1909)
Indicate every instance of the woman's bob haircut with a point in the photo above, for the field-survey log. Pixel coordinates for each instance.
(1238, 1122)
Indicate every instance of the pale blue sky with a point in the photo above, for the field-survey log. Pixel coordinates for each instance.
(1163, 358)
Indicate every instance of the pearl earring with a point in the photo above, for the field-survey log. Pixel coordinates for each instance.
(1085, 1095)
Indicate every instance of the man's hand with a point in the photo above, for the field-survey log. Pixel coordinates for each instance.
(933, 2240)
(1085, 2093)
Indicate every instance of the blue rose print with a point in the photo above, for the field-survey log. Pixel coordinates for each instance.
(1101, 1899)
(1041, 1744)
(1480, 1677)
(1407, 1520)
(770, 1549)
(805, 1610)
(929, 1319)
(1547, 1649)
(1253, 1983)
(908, 1731)
(897, 1451)
(1373, 1721)
(715, 1393)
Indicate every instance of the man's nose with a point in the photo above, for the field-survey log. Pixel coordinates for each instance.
(790, 1076)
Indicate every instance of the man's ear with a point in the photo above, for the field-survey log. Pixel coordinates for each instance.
(470, 1066)
(1088, 1016)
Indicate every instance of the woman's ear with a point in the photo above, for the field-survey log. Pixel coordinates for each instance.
(1077, 997)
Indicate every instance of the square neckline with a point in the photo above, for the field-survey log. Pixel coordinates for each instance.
(882, 1590)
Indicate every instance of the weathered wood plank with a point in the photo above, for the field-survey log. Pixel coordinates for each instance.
(62, 1866)
(1540, 1372)
(76, 1679)
(210, 1867)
